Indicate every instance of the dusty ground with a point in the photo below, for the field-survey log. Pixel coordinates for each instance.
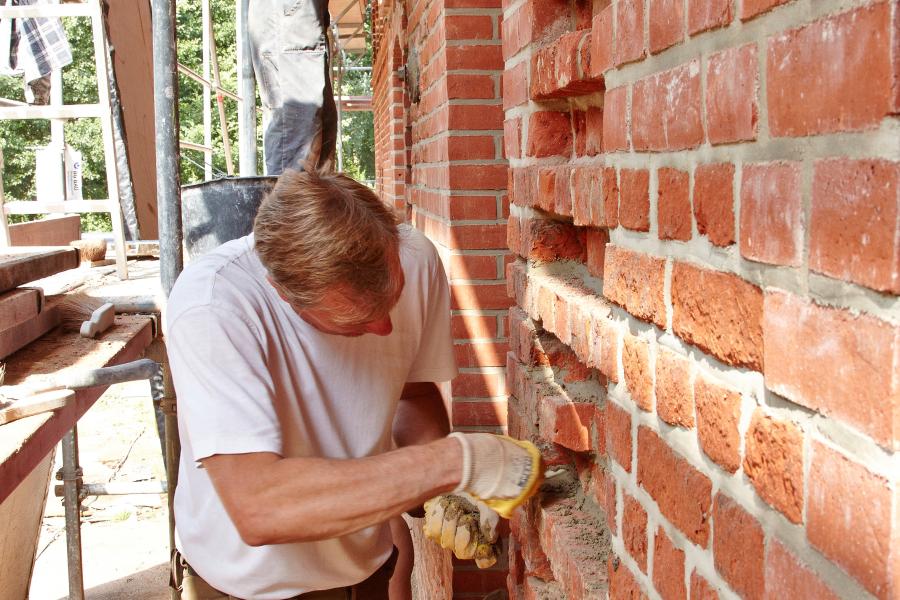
(124, 538)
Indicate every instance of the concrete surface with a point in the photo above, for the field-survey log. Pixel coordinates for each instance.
(124, 538)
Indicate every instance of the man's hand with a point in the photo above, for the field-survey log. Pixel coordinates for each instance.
(464, 525)
(500, 471)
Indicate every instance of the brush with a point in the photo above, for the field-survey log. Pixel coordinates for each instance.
(88, 315)
(90, 251)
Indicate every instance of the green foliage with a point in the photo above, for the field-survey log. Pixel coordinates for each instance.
(19, 139)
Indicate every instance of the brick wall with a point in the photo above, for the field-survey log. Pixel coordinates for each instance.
(439, 152)
(705, 223)
(706, 217)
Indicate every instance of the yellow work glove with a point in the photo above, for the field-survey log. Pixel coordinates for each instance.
(464, 525)
(498, 470)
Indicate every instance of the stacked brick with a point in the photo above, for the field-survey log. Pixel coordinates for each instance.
(439, 156)
(706, 339)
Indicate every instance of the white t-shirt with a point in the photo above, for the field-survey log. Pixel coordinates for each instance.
(252, 376)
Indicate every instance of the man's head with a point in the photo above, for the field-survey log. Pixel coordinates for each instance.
(331, 248)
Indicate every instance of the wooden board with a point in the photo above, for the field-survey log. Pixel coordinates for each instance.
(19, 305)
(35, 405)
(131, 34)
(17, 337)
(24, 265)
(25, 443)
(50, 231)
(21, 517)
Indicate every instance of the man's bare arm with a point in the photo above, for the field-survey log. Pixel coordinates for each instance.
(421, 415)
(274, 500)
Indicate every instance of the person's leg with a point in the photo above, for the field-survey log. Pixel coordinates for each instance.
(376, 586)
(290, 58)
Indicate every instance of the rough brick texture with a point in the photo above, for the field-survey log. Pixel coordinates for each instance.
(774, 463)
(635, 281)
(668, 568)
(770, 213)
(674, 391)
(720, 313)
(786, 577)
(714, 202)
(718, 417)
(845, 499)
(738, 548)
(834, 362)
(674, 205)
(682, 492)
(854, 222)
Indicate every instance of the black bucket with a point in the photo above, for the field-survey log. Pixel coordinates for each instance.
(215, 212)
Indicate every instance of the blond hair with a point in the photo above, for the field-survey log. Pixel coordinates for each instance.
(316, 232)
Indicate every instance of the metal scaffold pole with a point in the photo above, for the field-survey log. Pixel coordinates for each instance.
(168, 163)
(247, 91)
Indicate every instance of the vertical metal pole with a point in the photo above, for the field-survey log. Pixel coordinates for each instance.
(71, 477)
(207, 111)
(168, 163)
(247, 91)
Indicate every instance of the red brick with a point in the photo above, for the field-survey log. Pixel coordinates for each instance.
(718, 419)
(549, 134)
(474, 57)
(479, 297)
(771, 213)
(666, 110)
(701, 589)
(479, 385)
(732, 81)
(636, 282)
(666, 24)
(674, 205)
(683, 493)
(714, 202)
(848, 516)
(469, 27)
(629, 39)
(634, 199)
(470, 86)
(596, 251)
(480, 354)
(622, 584)
(477, 177)
(618, 435)
(605, 351)
(720, 313)
(512, 138)
(832, 75)
(593, 142)
(836, 363)
(738, 548)
(523, 525)
(708, 14)
(773, 461)
(674, 392)
(752, 8)
(634, 530)
(473, 266)
(603, 487)
(478, 414)
(787, 577)
(610, 198)
(638, 374)
(566, 423)
(470, 326)
(547, 240)
(854, 222)
(668, 568)
(615, 119)
(515, 85)
(602, 42)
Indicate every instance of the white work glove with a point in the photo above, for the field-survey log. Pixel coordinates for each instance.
(500, 471)
(464, 525)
